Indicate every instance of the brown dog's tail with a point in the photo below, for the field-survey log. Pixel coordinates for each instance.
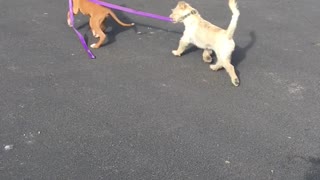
(118, 21)
(235, 15)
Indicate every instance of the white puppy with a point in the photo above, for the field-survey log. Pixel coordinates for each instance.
(207, 36)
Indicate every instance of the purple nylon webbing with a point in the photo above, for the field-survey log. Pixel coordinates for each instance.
(83, 42)
(132, 11)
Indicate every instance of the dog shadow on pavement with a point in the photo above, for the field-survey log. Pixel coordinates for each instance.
(314, 172)
(154, 27)
(239, 54)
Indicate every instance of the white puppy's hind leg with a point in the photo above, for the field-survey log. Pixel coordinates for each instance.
(231, 71)
(206, 55)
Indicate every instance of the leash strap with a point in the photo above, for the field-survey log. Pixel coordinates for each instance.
(132, 11)
(83, 42)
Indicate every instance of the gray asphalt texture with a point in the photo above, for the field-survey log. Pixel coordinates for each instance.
(138, 112)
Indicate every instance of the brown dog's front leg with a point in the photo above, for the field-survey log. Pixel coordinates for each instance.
(75, 10)
(68, 19)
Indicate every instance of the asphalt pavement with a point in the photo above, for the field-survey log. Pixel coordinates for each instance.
(137, 112)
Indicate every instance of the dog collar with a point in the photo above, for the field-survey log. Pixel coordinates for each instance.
(185, 16)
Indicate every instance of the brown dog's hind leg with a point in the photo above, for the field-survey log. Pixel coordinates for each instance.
(96, 23)
(103, 26)
(91, 24)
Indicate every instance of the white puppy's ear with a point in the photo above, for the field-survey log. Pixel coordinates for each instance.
(182, 5)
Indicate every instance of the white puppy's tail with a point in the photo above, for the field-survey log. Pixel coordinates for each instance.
(235, 15)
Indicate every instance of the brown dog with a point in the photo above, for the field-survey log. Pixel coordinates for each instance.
(207, 36)
(97, 15)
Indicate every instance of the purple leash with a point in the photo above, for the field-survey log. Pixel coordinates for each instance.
(132, 11)
(83, 42)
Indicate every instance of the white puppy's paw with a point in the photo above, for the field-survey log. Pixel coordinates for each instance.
(207, 59)
(215, 67)
(175, 52)
(235, 82)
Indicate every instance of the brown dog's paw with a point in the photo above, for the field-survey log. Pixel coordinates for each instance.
(94, 45)
(236, 82)
(175, 52)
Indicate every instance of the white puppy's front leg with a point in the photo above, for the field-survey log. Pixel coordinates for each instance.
(182, 46)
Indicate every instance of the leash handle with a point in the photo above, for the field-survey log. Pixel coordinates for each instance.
(83, 42)
(132, 11)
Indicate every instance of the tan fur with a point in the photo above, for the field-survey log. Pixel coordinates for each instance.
(97, 15)
(207, 36)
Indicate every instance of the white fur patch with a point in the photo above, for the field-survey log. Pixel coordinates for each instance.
(174, 52)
